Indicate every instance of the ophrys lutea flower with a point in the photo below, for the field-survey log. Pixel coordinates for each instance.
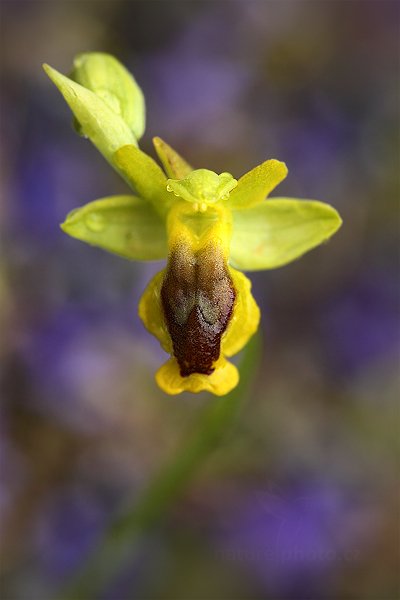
(208, 226)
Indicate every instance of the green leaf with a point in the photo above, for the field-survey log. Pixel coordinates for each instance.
(280, 230)
(254, 186)
(175, 166)
(144, 175)
(124, 225)
(104, 75)
(106, 129)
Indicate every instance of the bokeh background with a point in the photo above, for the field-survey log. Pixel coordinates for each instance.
(300, 500)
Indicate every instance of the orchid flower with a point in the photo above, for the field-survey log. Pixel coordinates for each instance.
(210, 227)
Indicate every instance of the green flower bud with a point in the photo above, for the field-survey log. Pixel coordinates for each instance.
(105, 76)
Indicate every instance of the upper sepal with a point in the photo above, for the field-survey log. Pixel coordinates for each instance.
(144, 175)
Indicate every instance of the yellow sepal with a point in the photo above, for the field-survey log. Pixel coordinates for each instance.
(220, 382)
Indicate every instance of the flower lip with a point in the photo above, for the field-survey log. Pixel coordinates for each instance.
(202, 187)
(197, 296)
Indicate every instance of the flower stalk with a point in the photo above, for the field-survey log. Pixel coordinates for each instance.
(121, 540)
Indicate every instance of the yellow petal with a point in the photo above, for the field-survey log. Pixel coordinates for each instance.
(220, 382)
(151, 312)
(175, 166)
(254, 186)
(245, 316)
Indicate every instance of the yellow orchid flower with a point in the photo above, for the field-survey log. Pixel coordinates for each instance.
(208, 226)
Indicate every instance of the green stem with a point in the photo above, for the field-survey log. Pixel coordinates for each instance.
(121, 538)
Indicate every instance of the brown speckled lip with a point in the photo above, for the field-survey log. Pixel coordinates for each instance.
(197, 296)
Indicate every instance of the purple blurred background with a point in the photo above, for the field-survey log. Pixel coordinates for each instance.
(301, 501)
